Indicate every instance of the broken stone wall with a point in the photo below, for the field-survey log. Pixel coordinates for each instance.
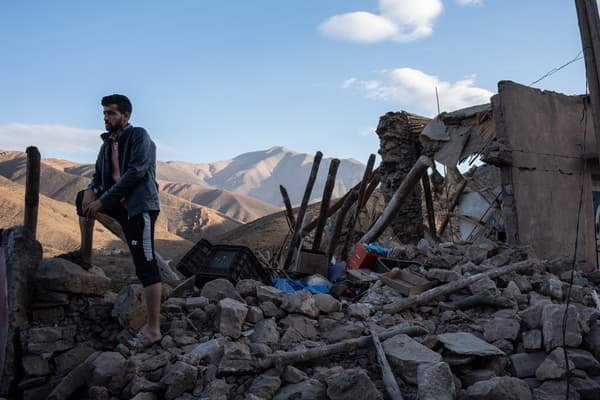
(544, 132)
(399, 149)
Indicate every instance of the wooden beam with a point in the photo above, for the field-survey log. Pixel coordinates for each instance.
(339, 223)
(397, 200)
(32, 189)
(289, 212)
(327, 191)
(298, 226)
(429, 205)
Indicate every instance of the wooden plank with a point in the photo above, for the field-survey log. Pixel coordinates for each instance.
(327, 191)
(289, 213)
(32, 189)
(389, 380)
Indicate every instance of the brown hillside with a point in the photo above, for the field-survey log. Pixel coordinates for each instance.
(235, 205)
(177, 216)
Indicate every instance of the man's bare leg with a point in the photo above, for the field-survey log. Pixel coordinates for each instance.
(153, 295)
(86, 226)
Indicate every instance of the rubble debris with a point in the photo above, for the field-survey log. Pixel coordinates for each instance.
(253, 341)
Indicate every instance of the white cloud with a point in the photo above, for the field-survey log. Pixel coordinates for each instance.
(399, 20)
(470, 2)
(415, 90)
(49, 138)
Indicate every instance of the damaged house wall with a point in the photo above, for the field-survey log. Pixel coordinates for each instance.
(543, 134)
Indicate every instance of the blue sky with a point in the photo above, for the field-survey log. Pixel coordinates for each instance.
(214, 79)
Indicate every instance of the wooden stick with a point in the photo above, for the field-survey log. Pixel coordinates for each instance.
(289, 212)
(344, 346)
(389, 380)
(32, 189)
(298, 226)
(397, 200)
(480, 300)
(329, 185)
(429, 205)
(339, 222)
(361, 195)
(454, 286)
(339, 203)
(461, 187)
(166, 273)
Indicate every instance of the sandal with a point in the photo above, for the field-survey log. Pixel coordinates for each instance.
(141, 341)
(75, 257)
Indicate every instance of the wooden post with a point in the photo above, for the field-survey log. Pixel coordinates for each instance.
(453, 202)
(395, 203)
(589, 26)
(389, 380)
(289, 213)
(32, 189)
(298, 226)
(329, 185)
(361, 195)
(429, 205)
(339, 222)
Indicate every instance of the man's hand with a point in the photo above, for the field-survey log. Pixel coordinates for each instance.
(88, 197)
(93, 208)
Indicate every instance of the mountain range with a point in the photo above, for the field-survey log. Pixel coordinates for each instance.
(197, 200)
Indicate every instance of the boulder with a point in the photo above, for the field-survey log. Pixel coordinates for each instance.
(435, 382)
(352, 384)
(306, 390)
(130, 307)
(219, 289)
(232, 315)
(301, 302)
(405, 354)
(500, 388)
(552, 317)
(64, 276)
(467, 344)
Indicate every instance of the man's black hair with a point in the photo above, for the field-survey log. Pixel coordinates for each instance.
(122, 102)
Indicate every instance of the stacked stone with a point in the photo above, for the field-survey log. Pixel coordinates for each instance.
(215, 339)
(70, 320)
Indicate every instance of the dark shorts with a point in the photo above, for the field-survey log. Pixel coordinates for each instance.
(139, 232)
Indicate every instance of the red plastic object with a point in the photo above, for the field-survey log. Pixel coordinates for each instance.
(361, 258)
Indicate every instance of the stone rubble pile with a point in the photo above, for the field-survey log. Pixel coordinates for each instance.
(497, 339)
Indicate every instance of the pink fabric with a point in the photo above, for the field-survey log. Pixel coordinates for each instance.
(116, 174)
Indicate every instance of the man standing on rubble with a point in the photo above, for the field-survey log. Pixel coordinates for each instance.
(124, 187)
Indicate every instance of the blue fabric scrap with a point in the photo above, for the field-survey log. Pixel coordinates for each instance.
(290, 286)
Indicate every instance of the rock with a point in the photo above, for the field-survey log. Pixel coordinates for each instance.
(555, 390)
(70, 359)
(555, 288)
(592, 339)
(478, 252)
(130, 307)
(307, 390)
(179, 378)
(265, 386)
(532, 340)
(105, 366)
(351, 384)
(247, 287)
(218, 389)
(552, 317)
(584, 360)
(512, 290)
(265, 332)
(359, 311)
(405, 354)
(292, 374)
(532, 315)
(557, 266)
(98, 393)
(254, 315)
(64, 276)
(303, 325)
(270, 310)
(155, 362)
(232, 315)
(553, 366)
(270, 293)
(211, 350)
(145, 396)
(35, 365)
(236, 359)
(435, 381)
(501, 328)
(525, 364)
(194, 303)
(468, 344)
(587, 388)
(442, 275)
(140, 384)
(500, 388)
(327, 304)
(301, 302)
(219, 289)
(505, 345)
(342, 332)
(484, 286)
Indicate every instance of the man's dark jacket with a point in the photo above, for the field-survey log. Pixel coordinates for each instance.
(137, 162)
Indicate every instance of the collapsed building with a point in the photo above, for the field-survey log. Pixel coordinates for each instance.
(505, 305)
